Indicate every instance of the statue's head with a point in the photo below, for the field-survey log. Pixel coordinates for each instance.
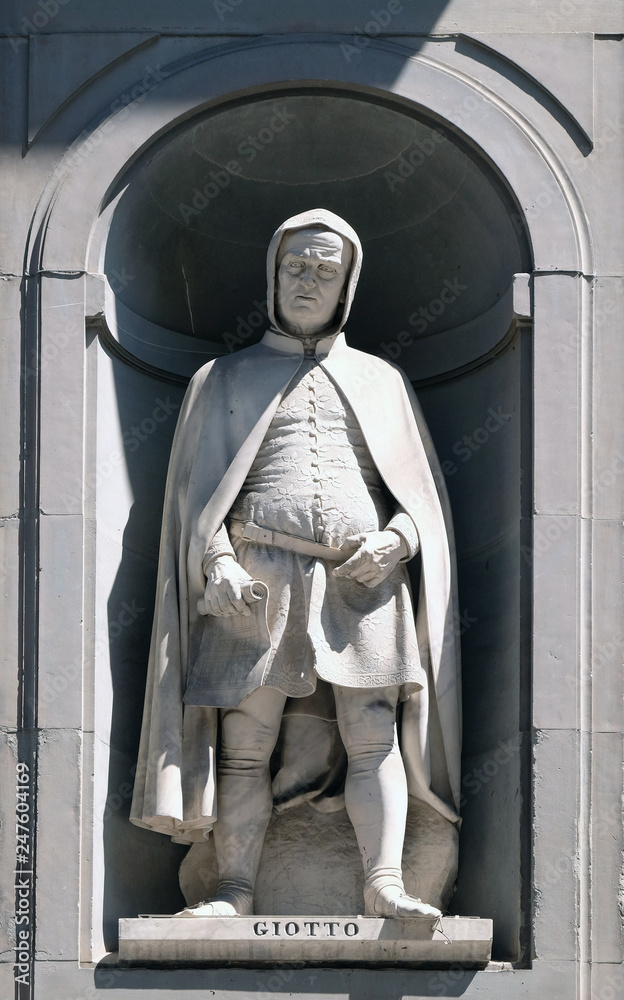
(313, 264)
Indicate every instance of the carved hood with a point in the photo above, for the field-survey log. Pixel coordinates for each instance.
(308, 220)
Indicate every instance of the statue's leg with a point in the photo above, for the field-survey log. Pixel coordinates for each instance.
(376, 797)
(244, 800)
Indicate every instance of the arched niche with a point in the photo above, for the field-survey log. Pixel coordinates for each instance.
(477, 386)
(190, 222)
(196, 212)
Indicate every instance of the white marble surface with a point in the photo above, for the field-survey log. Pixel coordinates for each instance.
(310, 862)
(326, 938)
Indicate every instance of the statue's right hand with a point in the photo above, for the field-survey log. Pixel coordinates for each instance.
(223, 594)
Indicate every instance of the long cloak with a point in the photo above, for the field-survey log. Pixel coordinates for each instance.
(227, 410)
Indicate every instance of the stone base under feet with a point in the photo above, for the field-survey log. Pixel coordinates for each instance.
(327, 939)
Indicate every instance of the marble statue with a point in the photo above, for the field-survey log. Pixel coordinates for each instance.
(302, 482)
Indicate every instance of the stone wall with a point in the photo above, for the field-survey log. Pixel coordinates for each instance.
(479, 150)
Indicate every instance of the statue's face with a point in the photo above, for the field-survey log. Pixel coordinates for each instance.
(311, 277)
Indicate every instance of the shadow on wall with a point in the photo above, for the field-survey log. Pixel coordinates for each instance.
(140, 867)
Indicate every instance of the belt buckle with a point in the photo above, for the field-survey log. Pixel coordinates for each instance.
(254, 533)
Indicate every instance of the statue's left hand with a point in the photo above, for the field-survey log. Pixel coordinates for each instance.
(226, 593)
(378, 552)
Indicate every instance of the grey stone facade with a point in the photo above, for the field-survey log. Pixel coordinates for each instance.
(478, 149)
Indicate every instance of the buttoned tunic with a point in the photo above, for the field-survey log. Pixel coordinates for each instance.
(314, 477)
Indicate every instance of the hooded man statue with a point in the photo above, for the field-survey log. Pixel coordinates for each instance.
(302, 481)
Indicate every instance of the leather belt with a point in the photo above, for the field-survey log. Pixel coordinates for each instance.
(251, 532)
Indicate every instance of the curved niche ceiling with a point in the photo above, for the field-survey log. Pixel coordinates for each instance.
(440, 233)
